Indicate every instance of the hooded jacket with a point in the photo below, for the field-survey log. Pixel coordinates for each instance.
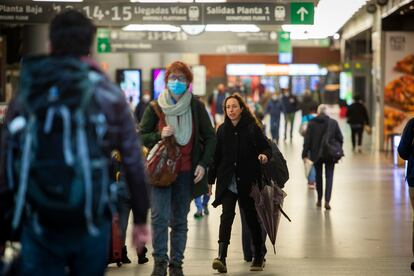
(317, 128)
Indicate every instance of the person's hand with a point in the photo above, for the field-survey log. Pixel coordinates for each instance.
(167, 131)
(210, 189)
(140, 236)
(199, 173)
(262, 158)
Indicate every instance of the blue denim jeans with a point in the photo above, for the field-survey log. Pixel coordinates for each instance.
(49, 252)
(274, 127)
(201, 202)
(170, 207)
(312, 175)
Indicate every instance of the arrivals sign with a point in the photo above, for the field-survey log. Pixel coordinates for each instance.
(113, 13)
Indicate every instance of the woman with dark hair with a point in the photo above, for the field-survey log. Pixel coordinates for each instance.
(241, 147)
(357, 115)
(187, 119)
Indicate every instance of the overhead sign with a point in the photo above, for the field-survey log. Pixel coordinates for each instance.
(113, 13)
(103, 41)
(284, 47)
(301, 13)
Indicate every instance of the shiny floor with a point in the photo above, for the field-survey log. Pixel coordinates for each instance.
(367, 232)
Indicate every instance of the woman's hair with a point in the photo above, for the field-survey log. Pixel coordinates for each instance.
(245, 109)
(181, 67)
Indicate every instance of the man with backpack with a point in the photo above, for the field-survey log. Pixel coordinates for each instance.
(323, 146)
(60, 130)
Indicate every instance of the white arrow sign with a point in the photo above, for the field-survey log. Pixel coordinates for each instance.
(302, 11)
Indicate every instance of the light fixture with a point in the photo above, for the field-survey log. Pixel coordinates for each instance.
(236, 28)
(161, 1)
(193, 29)
(328, 20)
(336, 36)
(57, 0)
(151, 28)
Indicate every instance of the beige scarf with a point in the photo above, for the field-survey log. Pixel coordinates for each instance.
(178, 115)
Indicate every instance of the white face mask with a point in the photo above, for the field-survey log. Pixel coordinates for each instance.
(146, 98)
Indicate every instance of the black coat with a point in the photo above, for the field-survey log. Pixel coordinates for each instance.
(406, 150)
(236, 154)
(357, 114)
(317, 127)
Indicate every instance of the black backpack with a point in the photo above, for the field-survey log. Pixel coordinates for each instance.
(56, 159)
(276, 168)
(331, 149)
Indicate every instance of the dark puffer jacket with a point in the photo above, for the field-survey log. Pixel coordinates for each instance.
(236, 154)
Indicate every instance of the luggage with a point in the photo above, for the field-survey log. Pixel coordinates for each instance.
(115, 251)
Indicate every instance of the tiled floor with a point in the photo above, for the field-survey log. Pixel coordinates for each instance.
(367, 232)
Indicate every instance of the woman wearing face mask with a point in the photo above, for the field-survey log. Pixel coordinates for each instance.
(241, 147)
(186, 119)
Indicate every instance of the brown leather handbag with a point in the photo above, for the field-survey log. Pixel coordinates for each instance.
(163, 160)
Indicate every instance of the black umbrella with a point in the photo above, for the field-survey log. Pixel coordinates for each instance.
(269, 202)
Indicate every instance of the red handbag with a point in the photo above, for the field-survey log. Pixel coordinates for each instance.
(163, 161)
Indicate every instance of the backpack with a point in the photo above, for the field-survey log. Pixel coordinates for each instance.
(276, 168)
(56, 150)
(331, 149)
(163, 160)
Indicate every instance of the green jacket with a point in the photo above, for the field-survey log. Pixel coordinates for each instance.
(204, 139)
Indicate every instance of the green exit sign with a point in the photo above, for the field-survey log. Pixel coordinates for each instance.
(103, 42)
(302, 13)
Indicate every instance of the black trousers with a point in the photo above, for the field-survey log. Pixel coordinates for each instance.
(246, 203)
(329, 171)
(357, 132)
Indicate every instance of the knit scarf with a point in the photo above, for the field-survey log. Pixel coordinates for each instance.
(178, 115)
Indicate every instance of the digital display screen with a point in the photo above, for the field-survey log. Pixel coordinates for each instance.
(284, 82)
(298, 85)
(130, 81)
(158, 82)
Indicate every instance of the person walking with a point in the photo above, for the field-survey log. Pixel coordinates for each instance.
(187, 119)
(290, 103)
(274, 108)
(357, 115)
(320, 130)
(308, 104)
(65, 220)
(406, 152)
(241, 148)
(141, 106)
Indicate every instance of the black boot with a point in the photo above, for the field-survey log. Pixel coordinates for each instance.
(142, 258)
(124, 256)
(219, 263)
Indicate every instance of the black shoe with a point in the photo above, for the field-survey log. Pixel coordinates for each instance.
(220, 265)
(318, 204)
(206, 211)
(258, 264)
(142, 258)
(124, 256)
(412, 266)
(175, 270)
(160, 268)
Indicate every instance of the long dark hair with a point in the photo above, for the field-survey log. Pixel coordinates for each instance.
(246, 112)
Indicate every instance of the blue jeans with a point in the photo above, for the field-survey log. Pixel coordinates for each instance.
(201, 202)
(170, 207)
(312, 175)
(274, 127)
(49, 252)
